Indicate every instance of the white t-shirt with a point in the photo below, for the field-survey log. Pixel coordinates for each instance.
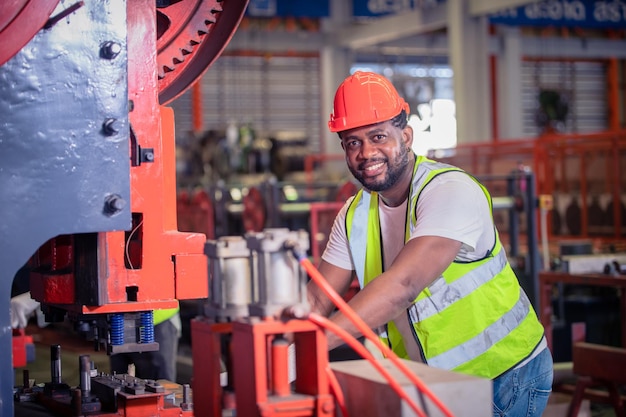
(452, 205)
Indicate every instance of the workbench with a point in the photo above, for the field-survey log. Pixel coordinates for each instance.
(547, 280)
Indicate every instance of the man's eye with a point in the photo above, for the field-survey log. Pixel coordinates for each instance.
(379, 138)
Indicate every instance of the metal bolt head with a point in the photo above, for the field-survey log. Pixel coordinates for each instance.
(110, 50)
(113, 203)
(108, 127)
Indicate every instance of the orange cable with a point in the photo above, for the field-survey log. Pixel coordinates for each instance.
(361, 350)
(367, 332)
(337, 392)
(128, 242)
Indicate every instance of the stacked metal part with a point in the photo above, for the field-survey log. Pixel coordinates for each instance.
(255, 275)
(240, 346)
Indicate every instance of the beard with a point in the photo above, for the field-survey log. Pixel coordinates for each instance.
(394, 172)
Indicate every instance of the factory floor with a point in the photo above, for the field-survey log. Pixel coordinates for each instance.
(72, 346)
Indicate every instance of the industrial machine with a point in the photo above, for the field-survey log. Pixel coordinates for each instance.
(87, 169)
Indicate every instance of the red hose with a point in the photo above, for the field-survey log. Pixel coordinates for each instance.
(337, 392)
(319, 279)
(361, 350)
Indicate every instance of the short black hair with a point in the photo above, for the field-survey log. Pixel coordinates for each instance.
(400, 121)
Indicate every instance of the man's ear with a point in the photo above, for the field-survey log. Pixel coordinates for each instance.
(407, 136)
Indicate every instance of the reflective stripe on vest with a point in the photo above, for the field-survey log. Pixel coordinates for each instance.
(479, 344)
(360, 234)
(504, 328)
(454, 291)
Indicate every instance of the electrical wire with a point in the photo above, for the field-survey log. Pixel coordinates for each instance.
(319, 279)
(130, 236)
(337, 392)
(366, 354)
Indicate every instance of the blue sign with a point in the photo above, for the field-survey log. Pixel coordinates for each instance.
(288, 8)
(378, 8)
(571, 13)
(578, 13)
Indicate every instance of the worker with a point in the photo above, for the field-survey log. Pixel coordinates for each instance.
(22, 306)
(160, 364)
(154, 365)
(434, 277)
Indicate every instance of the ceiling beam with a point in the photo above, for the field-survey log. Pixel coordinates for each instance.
(483, 7)
(411, 23)
(385, 29)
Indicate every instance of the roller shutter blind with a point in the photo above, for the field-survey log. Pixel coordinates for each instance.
(582, 84)
(277, 93)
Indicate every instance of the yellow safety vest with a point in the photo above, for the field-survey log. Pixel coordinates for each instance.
(475, 318)
(159, 316)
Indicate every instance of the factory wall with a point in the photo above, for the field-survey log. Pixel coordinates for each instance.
(568, 81)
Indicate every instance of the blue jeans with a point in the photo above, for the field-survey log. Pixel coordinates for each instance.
(524, 392)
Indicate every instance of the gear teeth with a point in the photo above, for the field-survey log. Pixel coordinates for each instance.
(164, 69)
(197, 30)
(187, 49)
(177, 58)
(168, 67)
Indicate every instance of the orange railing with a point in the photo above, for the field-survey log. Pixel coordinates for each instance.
(581, 172)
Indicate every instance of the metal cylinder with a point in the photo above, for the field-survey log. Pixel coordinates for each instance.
(278, 276)
(55, 364)
(280, 367)
(500, 203)
(84, 367)
(230, 277)
(25, 378)
(282, 282)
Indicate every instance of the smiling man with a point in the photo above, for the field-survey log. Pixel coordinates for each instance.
(434, 276)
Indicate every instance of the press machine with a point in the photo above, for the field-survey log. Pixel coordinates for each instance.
(87, 160)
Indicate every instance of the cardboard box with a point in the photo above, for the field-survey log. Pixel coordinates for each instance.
(368, 393)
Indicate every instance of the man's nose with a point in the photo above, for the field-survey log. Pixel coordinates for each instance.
(368, 149)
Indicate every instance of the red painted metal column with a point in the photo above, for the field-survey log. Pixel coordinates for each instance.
(196, 106)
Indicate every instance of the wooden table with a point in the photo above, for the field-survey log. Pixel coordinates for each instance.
(548, 279)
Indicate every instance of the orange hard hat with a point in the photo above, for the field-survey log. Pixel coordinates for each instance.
(365, 98)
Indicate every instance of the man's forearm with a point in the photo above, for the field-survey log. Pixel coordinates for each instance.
(375, 305)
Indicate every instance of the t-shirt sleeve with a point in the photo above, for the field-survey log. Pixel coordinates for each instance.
(337, 251)
(454, 206)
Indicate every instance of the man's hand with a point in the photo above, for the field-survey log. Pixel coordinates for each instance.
(22, 308)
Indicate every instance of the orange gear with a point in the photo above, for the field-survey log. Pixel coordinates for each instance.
(191, 34)
(20, 20)
(365, 98)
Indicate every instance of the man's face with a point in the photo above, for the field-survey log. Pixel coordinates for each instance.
(377, 155)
